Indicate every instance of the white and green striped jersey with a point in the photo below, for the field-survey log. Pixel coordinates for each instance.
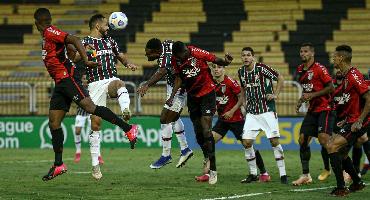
(106, 54)
(257, 84)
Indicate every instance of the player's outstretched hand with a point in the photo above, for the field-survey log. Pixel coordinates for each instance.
(131, 66)
(228, 58)
(299, 104)
(142, 90)
(91, 64)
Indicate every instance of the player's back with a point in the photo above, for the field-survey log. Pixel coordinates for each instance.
(54, 55)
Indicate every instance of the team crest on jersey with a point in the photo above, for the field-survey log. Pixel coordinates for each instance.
(223, 88)
(109, 45)
(256, 77)
(310, 75)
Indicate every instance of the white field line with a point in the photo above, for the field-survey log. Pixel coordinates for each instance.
(263, 193)
(30, 161)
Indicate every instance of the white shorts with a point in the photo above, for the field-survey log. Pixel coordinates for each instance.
(80, 121)
(98, 91)
(178, 101)
(267, 122)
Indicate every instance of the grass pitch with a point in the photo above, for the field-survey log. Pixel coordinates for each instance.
(126, 175)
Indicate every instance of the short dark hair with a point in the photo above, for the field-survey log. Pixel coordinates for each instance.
(42, 13)
(308, 44)
(94, 19)
(248, 49)
(345, 51)
(178, 47)
(154, 44)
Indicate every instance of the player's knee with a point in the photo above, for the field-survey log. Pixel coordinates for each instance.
(362, 140)
(331, 147)
(247, 143)
(274, 141)
(301, 139)
(54, 124)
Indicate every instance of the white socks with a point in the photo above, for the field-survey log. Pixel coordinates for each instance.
(94, 139)
(178, 128)
(279, 157)
(250, 156)
(123, 98)
(78, 143)
(166, 133)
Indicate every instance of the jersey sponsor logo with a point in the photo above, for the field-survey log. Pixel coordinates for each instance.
(250, 85)
(191, 72)
(342, 99)
(50, 29)
(307, 87)
(102, 52)
(222, 100)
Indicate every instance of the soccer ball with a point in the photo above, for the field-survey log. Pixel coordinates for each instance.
(118, 21)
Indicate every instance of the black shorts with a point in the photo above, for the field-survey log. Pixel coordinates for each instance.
(202, 106)
(66, 91)
(222, 127)
(350, 136)
(318, 122)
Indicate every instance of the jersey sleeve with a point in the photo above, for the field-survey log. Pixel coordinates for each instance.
(234, 86)
(115, 47)
(269, 72)
(359, 83)
(202, 54)
(324, 75)
(240, 77)
(55, 35)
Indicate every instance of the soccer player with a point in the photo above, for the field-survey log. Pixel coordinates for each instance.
(103, 80)
(67, 89)
(170, 116)
(353, 108)
(318, 122)
(192, 71)
(257, 90)
(230, 117)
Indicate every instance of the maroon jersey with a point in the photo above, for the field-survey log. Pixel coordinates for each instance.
(53, 54)
(348, 96)
(312, 80)
(195, 73)
(226, 98)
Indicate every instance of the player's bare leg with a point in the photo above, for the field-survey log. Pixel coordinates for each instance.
(117, 89)
(279, 157)
(209, 142)
(305, 155)
(339, 160)
(323, 140)
(105, 113)
(57, 137)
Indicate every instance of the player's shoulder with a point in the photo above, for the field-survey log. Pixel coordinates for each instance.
(262, 65)
(355, 74)
(230, 81)
(300, 67)
(319, 66)
(53, 31)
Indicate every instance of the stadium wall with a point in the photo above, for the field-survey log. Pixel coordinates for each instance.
(33, 132)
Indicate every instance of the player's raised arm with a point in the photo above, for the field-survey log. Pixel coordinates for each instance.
(175, 88)
(76, 42)
(158, 75)
(224, 62)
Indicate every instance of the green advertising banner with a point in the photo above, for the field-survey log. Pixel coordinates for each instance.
(33, 132)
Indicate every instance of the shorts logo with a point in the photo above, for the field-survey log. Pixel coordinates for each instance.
(208, 111)
(75, 98)
(320, 128)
